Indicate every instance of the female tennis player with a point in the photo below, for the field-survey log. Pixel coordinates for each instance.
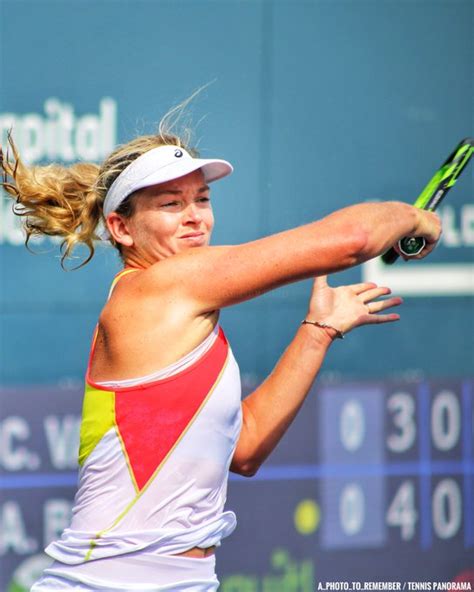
(163, 421)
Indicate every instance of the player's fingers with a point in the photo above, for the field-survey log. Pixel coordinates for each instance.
(373, 293)
(376, 319)
(375, 307)
(362, 287)
(429, 247)
(321, 281)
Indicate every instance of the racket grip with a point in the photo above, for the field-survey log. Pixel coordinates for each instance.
(411, 246)
(390, 257)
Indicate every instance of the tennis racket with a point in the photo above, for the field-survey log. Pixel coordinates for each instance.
(433, 194)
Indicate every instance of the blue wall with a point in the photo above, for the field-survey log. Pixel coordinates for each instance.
(318, 105)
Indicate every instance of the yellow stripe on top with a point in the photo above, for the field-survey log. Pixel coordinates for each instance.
(119, 276)
(98, 417)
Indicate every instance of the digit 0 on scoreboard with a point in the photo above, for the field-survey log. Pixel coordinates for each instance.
(445, 420)
(447, 509)
(451, 457)
(351, 449)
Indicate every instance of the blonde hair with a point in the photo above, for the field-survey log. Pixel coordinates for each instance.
(67, 202)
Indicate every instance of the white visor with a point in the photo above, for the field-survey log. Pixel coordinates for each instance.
(159, 165)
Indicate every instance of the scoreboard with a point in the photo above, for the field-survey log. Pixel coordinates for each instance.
(396, 464)
(374, 481)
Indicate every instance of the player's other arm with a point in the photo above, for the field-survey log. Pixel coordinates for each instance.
(270, 409)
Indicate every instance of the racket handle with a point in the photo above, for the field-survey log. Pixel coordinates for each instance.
(390, 257)
(409, 246)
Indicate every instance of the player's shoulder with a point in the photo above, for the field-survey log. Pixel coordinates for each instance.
(171, 274)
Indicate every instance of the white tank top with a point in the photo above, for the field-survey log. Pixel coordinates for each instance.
(154, 459)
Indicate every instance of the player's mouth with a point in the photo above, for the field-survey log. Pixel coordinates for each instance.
(194, 238)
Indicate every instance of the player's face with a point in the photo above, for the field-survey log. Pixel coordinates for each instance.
(171, 217)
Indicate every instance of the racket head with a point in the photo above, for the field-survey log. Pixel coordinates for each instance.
(437, 188)
(446, 176)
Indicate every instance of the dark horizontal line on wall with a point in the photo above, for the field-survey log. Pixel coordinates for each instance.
(277, 472)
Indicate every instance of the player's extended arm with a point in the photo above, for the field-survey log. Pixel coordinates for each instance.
(270, 409)
(213, 277)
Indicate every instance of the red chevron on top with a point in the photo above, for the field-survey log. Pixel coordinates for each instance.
(152, 418)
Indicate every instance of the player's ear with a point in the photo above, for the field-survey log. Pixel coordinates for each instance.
(119, 229)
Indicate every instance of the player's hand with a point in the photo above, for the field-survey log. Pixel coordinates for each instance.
(347, 307)
(429, 228)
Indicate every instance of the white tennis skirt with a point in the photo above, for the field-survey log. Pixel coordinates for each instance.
(164, 573)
